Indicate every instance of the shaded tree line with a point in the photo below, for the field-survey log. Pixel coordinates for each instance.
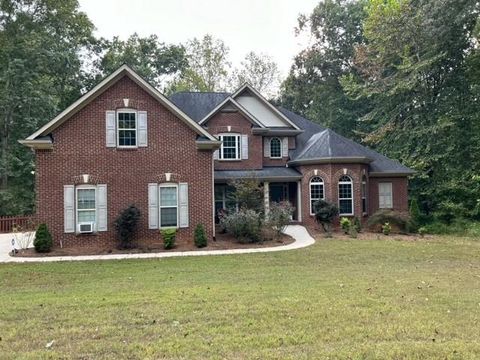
(403, 77)
(49, 57)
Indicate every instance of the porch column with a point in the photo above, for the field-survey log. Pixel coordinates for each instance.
(299, 201)
(266, 197)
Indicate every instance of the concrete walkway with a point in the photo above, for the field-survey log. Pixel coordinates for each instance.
(299, 233)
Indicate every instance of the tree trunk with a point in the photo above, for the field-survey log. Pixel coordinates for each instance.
(4, 152)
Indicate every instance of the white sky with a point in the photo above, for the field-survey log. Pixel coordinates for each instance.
(263, 26)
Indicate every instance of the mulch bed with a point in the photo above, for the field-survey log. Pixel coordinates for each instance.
(222, 242)
(319, 234)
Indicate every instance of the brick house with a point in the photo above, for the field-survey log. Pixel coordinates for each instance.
(125, 143)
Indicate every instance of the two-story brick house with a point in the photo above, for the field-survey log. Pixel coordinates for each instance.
(125, 143)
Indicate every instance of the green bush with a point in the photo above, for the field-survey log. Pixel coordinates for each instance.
(422, 231)
(357, 224)
(324, 214)
(345, 224)
(245, 225)
(200, 237)
(126, 226)
(386, 228)
(43, 239)
(168, 236)
(392, 217)
(279, 216)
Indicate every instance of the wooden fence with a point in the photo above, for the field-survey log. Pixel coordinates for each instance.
(8, 222)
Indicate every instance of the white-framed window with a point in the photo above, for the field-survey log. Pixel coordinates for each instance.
(317, 192)
(345, 195)
(230, 149)
(86, 205)
(126, 128)
(385, 195)
(168, 205)
(275, 148)
(364, 195)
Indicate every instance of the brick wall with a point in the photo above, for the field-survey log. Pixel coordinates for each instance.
(399, 193)
(79, 148)
(240, 125)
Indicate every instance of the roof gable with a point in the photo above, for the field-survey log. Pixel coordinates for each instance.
(103, 86)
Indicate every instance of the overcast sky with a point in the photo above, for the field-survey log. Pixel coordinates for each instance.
(245, 25)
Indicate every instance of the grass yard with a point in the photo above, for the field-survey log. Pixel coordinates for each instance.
(346, 299)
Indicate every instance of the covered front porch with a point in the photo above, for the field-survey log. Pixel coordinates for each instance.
(279, 185)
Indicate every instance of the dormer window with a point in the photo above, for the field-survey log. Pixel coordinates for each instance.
(230, 149)
(275, 148)
(127, 128)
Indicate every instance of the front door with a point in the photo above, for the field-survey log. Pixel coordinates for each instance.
(278, 192)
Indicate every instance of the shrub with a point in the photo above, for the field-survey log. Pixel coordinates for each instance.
(357, 224)
(386, 228)
(43, 239)
(126, 225)
(345, 224)
(168, 236)
(200, 237)
(245, 225)
(248, 193)
(324, 214)
(422, 231)
(279, 216)
(395, 218)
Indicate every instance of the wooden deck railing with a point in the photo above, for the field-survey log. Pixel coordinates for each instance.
(8, 222)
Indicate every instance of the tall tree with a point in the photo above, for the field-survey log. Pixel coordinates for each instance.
(40, 72)
(260, 71)
(207, 69)
(152, 59)
(416, 67)
(313, 87)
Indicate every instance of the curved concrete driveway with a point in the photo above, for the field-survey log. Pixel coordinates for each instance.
(299, 233)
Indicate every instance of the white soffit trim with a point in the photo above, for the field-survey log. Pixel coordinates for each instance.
(247, 86)
(242, 109)
(102, 87)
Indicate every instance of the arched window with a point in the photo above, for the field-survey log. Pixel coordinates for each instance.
(275, 148)
(316, 192)
(364, 194)
(345, 195)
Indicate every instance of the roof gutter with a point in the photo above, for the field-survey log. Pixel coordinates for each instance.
(208, 144)
(266, 178)
(278, 132)
(377, 174)
(330, 160)
(37, 144)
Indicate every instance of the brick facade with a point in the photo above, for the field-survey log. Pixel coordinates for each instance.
(80, 149)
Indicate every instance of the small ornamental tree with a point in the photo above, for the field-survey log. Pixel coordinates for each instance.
(324, 215)
(248, 194)
(126, 225)
(279, 216)
(43, 239)
(200, 237)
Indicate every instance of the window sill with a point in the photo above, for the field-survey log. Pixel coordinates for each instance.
(95, 233)
(228, 160)
(127, 148)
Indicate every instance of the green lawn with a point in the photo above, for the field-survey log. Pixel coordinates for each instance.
(352, 299)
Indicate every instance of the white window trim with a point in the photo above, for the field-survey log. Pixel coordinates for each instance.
(364, 195)
(160, 207)
(280, 144)
(118, 112)
(391, 195)
(310, 192)
(351, 198)
(85, 187)
(238, 147)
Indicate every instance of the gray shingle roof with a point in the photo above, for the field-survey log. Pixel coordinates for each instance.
(267, 173)
(197, 105)
(316, 142)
